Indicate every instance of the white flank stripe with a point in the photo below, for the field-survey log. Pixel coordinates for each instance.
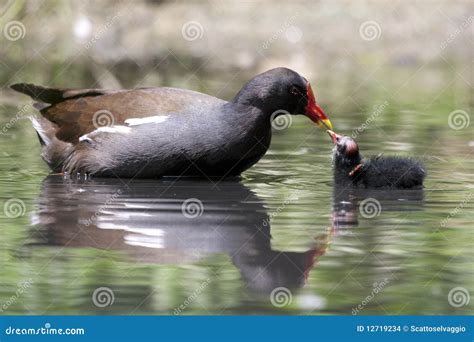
(113, 129)
(148, 119)
(106, 129)
(85, 137)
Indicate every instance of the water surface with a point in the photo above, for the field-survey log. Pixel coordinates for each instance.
(280, 240)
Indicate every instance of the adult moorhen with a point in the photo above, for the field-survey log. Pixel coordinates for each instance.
(374, 172)
(153, 132)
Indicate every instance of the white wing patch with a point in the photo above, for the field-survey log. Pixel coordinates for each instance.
(106, 129)
(114, 129)
(124, 129)
(148, 119)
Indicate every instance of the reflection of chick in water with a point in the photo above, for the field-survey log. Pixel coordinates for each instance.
(150, 221)
(350, 205)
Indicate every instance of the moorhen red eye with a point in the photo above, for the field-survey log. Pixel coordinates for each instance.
(153, 132)
(373, 172)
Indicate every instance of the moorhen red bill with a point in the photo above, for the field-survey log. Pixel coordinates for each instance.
(373, 172)
(154, 132)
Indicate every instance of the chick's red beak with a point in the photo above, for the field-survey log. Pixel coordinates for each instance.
(334, 136)
(314, 111)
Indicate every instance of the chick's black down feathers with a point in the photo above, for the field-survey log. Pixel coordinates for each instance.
(373, 172)
(393, 172)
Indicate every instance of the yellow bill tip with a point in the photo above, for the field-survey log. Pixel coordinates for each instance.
(325, 124)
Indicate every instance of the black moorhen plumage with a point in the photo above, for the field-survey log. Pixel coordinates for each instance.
(373, 172)
(153, 132)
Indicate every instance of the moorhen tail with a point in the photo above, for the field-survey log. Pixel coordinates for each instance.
(153, 132)
(373, 172)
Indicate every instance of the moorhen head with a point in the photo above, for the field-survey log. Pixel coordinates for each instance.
(154, 132)
(282, 90)
(373, 172)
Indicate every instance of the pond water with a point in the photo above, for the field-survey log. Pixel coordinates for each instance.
(281, 240)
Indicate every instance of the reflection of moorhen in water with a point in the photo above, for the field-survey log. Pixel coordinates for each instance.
(265, 269)
(373, 172)
(171, 222)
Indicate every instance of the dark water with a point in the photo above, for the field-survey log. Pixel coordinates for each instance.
(281, 240)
